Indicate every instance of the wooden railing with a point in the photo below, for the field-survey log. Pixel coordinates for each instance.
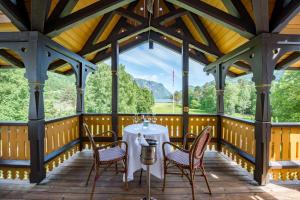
(238, 141)
(61, 140)
(14, 150)
(285, 151)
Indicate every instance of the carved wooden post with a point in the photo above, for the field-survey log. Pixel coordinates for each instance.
(263, 67)
(80, 89)
(114, 69)
(185, 87)
(36, 73)
(220, 76)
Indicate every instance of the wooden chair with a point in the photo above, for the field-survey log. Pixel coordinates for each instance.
(104, 156)
(188, 161)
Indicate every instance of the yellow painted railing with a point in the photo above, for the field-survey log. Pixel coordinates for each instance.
(198, 122)
(98, 124)
(285, 151)
(240, 135)
(58, 133)
(14, 146)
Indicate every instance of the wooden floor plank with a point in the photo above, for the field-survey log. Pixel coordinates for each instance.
(227, 181)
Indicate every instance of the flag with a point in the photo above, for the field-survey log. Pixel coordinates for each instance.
(173, 77)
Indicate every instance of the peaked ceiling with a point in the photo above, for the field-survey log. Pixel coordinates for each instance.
(212, 27)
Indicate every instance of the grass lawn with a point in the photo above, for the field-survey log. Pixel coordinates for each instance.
(167, 108)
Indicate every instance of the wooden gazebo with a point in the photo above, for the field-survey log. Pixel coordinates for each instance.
(230, 37)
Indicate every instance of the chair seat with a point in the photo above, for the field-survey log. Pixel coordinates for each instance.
(181, 158)
(111, 154)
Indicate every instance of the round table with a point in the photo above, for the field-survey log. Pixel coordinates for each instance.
(153, 131)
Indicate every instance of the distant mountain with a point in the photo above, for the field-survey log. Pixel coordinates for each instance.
(158, 89)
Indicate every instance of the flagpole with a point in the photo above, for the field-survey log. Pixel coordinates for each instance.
(173, 92)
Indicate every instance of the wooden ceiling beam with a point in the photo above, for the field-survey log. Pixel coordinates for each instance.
(130, 45)
(158, 38)
(237, 9)
(131, 15)
(55, 27)
(242, 66)
(62, 9)
(281, 19)
(11, 59)
(201, 29)
(173, 14)
(57, 64)
(16, 13)
(287, 62)
(39, 11)
(130, 32)
(261, 15)
(173, 34)
(203, 9)
(99, 29)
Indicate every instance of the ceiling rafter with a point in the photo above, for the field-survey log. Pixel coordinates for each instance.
(201, 29)
(287, 62)
(159, 38)
(39, 11)
(62, 9)
(205, 10)
(99, 29)
(107, 53)
(173, 34)
(261, 16)
(237, 9)
(280, 19)
(11, 59)
(132, 31)
(16, 13)
(55, 27)
(131, 15)
(173, 14)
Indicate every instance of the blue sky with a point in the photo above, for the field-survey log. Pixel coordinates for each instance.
(157, 65)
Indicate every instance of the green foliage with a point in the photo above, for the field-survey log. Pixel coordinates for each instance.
(59, 96)
(98, 90)
(14, 95)
(285, 98)
(132, 98)
(240, 98)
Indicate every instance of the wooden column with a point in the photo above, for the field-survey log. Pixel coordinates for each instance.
(80, 91)
(114, 69)
(263, 67)
(220, 76)
(185, 87)
(36, 73)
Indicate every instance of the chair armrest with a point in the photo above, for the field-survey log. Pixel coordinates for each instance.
(173, 145)
(112, 132)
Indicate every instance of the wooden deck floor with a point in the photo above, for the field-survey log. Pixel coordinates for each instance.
(227, 181)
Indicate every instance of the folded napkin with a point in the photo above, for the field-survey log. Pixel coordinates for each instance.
(140, 140)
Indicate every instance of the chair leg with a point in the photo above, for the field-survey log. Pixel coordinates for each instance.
(165, 175)
(117, 168)
(126, 173)
(204, 174)
(192, 183)
(87, 181)
(94, 184)
(141, 173)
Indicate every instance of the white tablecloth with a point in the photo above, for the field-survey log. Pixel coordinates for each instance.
(154, 131)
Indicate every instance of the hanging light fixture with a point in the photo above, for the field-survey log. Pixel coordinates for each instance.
(150, 10)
